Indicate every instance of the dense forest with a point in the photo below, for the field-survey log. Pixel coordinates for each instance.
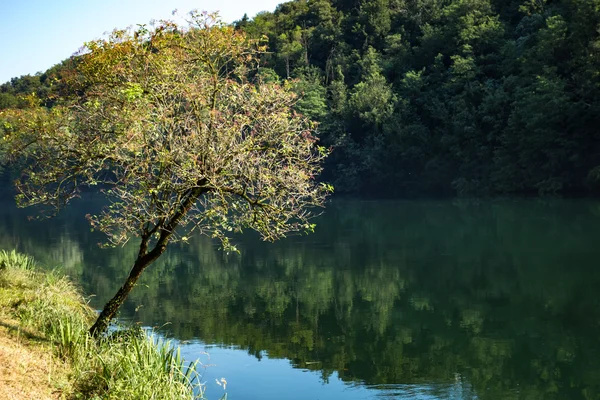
(433, 97)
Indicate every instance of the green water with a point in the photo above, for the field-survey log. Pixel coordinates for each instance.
(490, 299)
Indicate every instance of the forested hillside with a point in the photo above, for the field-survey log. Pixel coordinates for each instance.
(446, 96)
(430, 97)
(47, 87)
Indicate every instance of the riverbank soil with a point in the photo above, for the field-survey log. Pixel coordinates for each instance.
(28, 370)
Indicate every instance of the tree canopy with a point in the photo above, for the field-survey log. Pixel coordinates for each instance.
(447, 96)
(169, 126)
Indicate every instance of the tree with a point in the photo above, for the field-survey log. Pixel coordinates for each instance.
(312, 93)
(177, 138)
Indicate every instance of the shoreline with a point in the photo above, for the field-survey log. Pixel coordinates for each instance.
(46, 351)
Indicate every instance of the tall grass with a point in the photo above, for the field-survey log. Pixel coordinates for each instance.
(15, 260)
(130, 364)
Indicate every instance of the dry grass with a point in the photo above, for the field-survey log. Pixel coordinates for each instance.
(28, 369)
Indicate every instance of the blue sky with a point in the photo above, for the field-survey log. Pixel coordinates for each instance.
(36, 34)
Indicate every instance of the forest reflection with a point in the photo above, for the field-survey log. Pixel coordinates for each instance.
(500, 294)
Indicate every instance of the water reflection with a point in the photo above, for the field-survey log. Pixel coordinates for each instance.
(434, 299)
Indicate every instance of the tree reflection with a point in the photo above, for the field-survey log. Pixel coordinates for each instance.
(499, 294)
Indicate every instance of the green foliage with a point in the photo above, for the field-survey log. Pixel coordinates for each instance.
(506, 99)
(372, 101)
(312, 100)
(14, 260)
(47, 87)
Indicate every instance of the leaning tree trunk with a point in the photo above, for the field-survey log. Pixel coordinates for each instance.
(110, 309)
(145, 258)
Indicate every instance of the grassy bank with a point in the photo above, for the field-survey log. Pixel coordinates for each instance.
(43, 324)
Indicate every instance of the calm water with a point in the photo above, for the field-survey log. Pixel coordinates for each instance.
(398, 299)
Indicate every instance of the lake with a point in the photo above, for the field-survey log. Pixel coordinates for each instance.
(437, 299)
